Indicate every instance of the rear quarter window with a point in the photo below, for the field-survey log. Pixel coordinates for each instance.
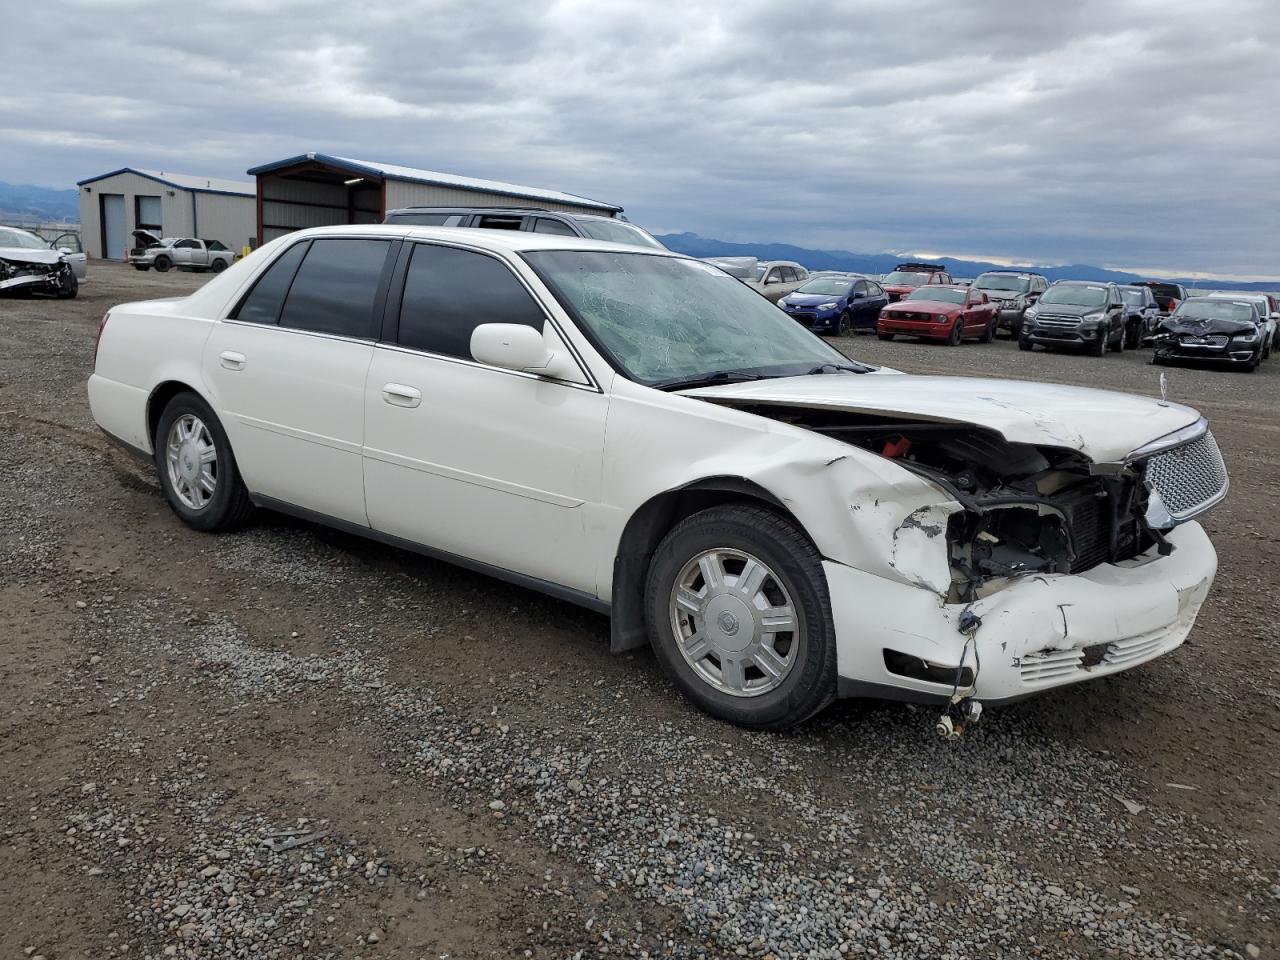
(264, 301)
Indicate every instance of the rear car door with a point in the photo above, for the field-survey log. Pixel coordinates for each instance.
(478, 462)
(287, 372)
(186, 253)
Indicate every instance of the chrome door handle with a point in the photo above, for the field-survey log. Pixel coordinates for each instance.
(231, 360)
(400, 395)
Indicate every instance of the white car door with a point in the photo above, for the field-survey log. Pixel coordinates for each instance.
(488, 464)
(287, 373)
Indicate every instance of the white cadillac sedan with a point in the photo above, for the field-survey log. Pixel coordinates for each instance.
(640, 433)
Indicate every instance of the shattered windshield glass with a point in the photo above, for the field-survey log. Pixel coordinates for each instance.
(664, 318)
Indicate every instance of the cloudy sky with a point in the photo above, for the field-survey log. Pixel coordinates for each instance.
(1128, 133)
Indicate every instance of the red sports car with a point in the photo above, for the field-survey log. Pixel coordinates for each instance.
(949, 313)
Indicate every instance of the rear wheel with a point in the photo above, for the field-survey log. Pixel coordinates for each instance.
(162, 264)
(739, 616)
(218, 266)
(197, 470)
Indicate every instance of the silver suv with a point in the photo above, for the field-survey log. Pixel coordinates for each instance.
(1014, 291)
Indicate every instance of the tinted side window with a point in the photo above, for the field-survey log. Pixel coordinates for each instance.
(448, 293)
(875, 289)
(547, 225)
(335, 288)
(507, 222)
(263, 303)
(186, 245)
(860, 287)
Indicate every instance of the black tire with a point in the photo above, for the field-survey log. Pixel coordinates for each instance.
(218, 266)
(988, 333)
(70, 286)
(1098, 347)
(957, 334)
(885, 336)
(229, 507)
(162, 264)
(1025, 344)
(141, 266)
(1132, 337)
(810, 684)
(844, 325)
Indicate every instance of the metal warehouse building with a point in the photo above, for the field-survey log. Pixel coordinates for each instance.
(115, 204)
(316, 190)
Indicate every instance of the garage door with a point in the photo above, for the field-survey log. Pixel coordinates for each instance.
(114, 240)
(149, 215)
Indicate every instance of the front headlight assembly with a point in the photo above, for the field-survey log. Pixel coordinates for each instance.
(828, 306)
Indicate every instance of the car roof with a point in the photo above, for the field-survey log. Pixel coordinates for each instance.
(1014, 273)
(482, 237)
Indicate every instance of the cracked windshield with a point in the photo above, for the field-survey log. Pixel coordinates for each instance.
(664, 319)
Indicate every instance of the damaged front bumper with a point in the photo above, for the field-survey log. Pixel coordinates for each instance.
(1040, 632)
(36, 278)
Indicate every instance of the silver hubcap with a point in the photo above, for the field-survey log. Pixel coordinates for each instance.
(734, 622)
(192, 460)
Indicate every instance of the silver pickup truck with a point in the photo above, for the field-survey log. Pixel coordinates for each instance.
(185, 253)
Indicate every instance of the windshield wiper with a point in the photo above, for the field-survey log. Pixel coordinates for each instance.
(707, 379)
(838, 368)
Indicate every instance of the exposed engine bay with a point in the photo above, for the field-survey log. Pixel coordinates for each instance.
(1028, 509)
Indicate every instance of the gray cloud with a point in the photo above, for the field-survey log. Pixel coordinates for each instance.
(1124, 132)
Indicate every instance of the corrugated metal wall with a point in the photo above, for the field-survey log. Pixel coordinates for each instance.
(401, 193)
(175, 210)
(230, 220)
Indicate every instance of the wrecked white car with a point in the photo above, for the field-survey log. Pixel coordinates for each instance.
(637, 432)
(29, 264)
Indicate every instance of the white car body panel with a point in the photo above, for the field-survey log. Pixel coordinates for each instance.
(540, 477)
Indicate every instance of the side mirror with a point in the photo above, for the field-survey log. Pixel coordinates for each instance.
(858, 296)
(65, 251)
(514, 346)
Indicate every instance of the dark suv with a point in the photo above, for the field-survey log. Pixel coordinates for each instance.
(1076, 313)
(533, 219)
(1014, 291)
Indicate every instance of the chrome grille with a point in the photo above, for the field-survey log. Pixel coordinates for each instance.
(1189, 479)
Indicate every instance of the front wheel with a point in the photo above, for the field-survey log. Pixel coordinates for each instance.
(739, 616)
(162, 264)
(70, 286)
(1025, 344)
(1132, 337)
(141, 266)
(957, 334)
(1099, 345)
(197, 470)
(988, 333)
(885, 336)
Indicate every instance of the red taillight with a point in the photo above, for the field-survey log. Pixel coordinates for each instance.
(102, 325)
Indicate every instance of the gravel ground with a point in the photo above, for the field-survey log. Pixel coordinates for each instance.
(289, 742)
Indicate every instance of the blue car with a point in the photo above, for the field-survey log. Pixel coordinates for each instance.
(838, 305)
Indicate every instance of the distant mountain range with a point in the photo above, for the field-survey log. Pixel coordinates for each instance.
(880, 263)
(41, 203)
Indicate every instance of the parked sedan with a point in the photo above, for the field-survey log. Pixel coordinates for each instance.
(28, 264)
(950, 314)
(781, 524)
(1212, 330)
(1073, 313)
(900, 283)
(1141, 314)
(836, 304)
(777, 278)
(1268, 310)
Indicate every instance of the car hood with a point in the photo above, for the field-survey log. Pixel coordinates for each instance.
(1104, 426)
(810, 299)
(1199, 328)
(1068, 309)
(146, 238)
(23, 255)
(1001, 294)
(923, 306)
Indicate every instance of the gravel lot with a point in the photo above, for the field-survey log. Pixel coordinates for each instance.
(289, 742)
